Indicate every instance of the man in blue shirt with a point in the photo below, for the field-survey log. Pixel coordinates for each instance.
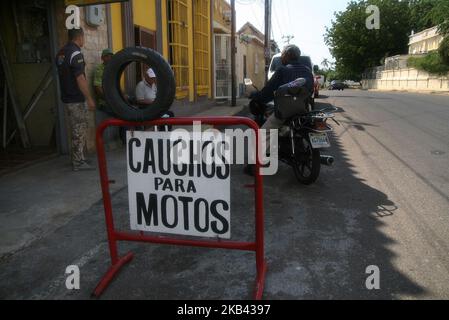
(291, 69)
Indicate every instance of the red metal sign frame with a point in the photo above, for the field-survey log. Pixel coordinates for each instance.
(115, 236)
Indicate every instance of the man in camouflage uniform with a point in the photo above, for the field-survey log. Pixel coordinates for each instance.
(75, 94)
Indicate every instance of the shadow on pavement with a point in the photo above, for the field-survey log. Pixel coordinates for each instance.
(323, 237)
(319, 242)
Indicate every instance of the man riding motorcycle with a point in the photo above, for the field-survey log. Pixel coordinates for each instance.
(291, 70)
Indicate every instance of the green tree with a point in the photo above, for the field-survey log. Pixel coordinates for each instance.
(431, 63)
(355, 47)
(444, 50)
(440, 16)
(420, 17)
(325, 63)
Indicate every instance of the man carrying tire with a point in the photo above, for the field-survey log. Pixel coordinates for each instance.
(74, 94)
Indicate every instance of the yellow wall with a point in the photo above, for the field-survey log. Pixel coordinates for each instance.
(145, 13)
(117, 37)
(164, 29)
(191, 53)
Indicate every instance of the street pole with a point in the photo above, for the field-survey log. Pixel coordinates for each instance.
(233, 58)
(267, 37)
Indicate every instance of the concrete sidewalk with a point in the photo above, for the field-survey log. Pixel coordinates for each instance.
(37, 200)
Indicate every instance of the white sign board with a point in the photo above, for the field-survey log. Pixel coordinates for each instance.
(172, 197)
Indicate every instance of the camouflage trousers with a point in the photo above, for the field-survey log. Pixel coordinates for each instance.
(77, 115)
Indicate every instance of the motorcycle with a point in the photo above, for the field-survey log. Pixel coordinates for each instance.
(304, 133)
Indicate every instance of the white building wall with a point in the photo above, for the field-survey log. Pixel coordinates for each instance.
(408, 79)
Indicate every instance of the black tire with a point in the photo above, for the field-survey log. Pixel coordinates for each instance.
(306, 158)
(166, 88)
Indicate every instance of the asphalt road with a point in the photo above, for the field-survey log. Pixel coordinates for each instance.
(395, 149)
(384, 203)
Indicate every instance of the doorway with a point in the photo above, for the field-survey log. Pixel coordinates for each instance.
(223, 81)
(28, 103)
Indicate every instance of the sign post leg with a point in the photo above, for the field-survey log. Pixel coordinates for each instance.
(116, 262)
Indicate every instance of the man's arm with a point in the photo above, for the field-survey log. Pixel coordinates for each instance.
(84, 88)
(98, 83)
(267, 93)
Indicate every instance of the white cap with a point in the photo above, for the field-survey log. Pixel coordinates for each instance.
(151, 73)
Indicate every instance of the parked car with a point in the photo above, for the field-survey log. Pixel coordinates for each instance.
(352, 84)
(337, 85)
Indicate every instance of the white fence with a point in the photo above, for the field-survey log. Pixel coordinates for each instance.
(407, 79)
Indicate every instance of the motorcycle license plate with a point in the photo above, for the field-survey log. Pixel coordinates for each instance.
(319, 140)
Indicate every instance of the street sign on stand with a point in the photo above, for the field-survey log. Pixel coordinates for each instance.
(204, 189)
(189, 199)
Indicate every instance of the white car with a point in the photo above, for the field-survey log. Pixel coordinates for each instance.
(276, 63)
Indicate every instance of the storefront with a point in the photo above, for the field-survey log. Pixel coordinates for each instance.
(32, 31)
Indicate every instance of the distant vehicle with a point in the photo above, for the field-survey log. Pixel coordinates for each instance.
(350, 83)
(276, 63)
(337, 85)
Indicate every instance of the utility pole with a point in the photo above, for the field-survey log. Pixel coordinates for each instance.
(288, 39)
(233, 53)
(268, 4)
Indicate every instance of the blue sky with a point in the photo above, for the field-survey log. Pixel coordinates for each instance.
(304, 19)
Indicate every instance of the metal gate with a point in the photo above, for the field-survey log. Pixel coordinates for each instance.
(223, 80)
(179, 45)
(202, 45)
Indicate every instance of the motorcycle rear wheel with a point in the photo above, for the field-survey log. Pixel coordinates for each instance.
(306, 162)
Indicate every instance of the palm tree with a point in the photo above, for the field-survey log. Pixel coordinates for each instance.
(325, 64)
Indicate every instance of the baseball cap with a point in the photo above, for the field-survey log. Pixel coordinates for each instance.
(151, 73)
(107, 52)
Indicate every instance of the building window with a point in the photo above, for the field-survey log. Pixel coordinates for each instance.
(201, 44)
(179, 45)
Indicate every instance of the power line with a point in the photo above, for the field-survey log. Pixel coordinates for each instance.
(276, 17)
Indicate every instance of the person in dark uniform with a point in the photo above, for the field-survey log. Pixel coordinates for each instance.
(292, 69)
(74, 94)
